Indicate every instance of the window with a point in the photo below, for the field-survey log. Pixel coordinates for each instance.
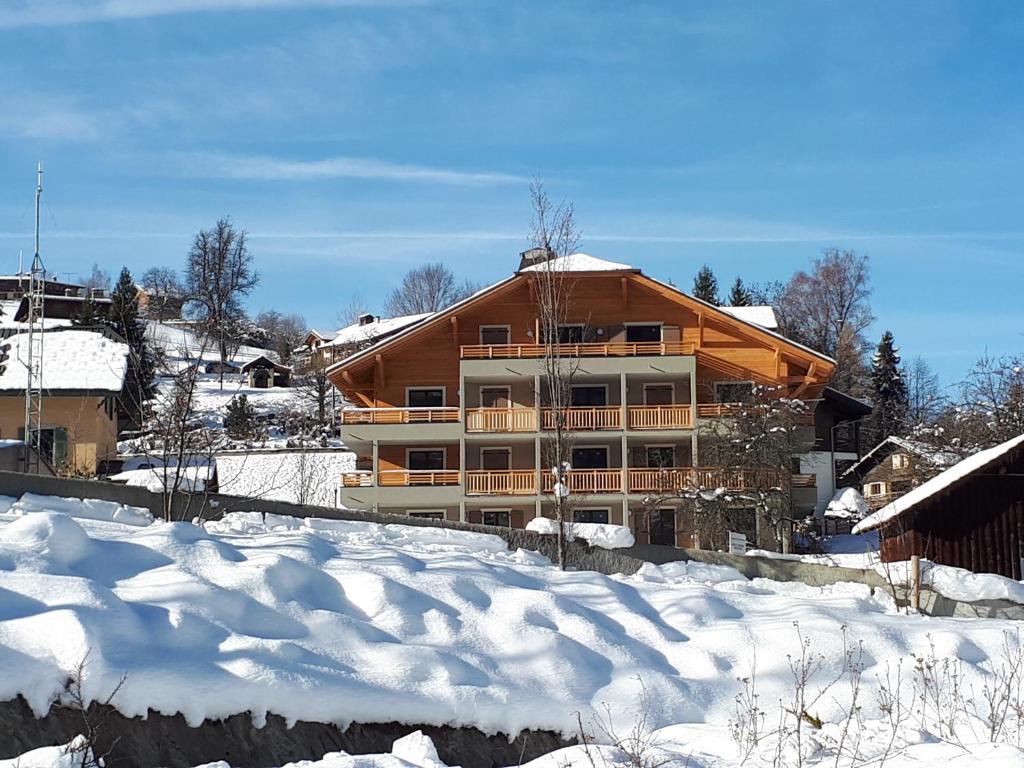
(428, 514)
(874, 489)
(661, 456)
(53, 445)
(499, 459)
(640, 333)
(734, 391)
(590, 458)
(590, 516)
(426, 459)
(663, 527)
(501, 518)
(570, 334)
(425, 397)
(900, 461)
(585, 397)
(494, 334)
(495, 397)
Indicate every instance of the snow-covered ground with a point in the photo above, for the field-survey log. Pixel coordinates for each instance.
(341, 621)
(298, 477)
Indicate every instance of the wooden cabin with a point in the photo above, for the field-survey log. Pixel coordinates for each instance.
(969, 516)
(264, 373)
(893, 468)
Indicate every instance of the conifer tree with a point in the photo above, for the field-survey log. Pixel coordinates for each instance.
(705, 286)
(740, 296)
(240, 418)
(125, 321)
(890, 390)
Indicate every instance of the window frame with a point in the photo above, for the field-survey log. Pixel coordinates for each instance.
(494, 326)
(607, 513)
(661, 331)
(428, 514)
(869, 494)
(900, 461)
(496, 511)
(482, 387)
(589, 386)
(658, 446)
(506, 448)
(654, 384)
(432, 448)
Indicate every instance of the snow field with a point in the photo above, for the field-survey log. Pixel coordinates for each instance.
(344, 622)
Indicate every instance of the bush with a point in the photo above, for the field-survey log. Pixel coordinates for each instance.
(240, 420)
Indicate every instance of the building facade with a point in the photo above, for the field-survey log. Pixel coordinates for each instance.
(448, 423)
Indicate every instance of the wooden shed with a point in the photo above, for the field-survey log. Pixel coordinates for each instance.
(264, 373)
(970, 516)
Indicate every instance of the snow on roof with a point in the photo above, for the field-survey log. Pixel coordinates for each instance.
(578, 262)
(763, 316)
(72, 360)
(9, 308)
(179, 342)
(940, 482)
(382, 326)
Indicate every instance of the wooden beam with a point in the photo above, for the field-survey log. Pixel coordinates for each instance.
(778, 362)
(455, 329)
(700, 327)
(625, 292)
(529, 284)
(380, 369)
(348, 378)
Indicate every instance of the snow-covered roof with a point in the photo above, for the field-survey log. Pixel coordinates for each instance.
(763, 316)
(73, 360)
(577, 262)
(382, 326)
(179, 342)
(9, 308)
(923, 450)
(939, 483)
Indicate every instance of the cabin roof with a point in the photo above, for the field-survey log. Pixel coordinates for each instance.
(893, 443)
(944, 481)
(265, 362)
(74, 361)
(579, 262)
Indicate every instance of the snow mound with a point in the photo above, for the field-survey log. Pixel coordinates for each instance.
(847, 503)
(596, 534)
(89, 509)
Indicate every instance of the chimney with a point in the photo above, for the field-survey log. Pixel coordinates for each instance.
(534, 256)
(366, 319)
(67, 291)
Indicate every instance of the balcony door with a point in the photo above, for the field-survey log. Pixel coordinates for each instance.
(658, 394)
(590, 458)
(496, 459)
(497, 335)
(426, 459)
(644, 333)
(495, 397)
(663, 527)
(425, 397)
(589, 397)
(660, 456)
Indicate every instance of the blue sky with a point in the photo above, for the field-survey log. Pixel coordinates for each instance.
(356, 139)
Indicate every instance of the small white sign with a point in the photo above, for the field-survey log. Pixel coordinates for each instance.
(737, 543)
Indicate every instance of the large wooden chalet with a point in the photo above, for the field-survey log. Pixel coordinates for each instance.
(448, 425)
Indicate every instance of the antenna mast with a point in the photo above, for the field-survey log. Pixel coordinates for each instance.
(34, 361)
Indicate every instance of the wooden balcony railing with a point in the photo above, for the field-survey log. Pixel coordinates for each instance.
(660, 416)
(357, 479)
(583, 418)
(583, 481)
(501, 420)
(670, 479)
(398, 415)
(588, 349)
(406, 477)
(804, 481)
(735, 410)
(498, 482)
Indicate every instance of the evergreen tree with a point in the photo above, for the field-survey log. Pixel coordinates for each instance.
(87, 314)
(240, 418)
(125, 321)
(705, 286)
(739, 296)
(890, 390)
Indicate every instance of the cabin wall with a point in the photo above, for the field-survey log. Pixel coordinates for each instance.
(978, 526)
(91, 433)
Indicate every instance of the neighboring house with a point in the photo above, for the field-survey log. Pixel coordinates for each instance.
(14, 287)
(447, 424)
(67, 307)
(264, 373)
(326, 349)
(837, 445)
(970, 516)
(893, 467)
(156, 305)
(83, 372)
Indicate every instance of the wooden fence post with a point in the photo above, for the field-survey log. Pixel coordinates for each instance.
(915, 583)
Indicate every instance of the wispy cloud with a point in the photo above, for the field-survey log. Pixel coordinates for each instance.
(51, 13)
(261, 168)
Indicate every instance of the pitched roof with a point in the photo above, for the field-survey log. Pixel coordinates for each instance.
(577, 262)
(74, 360)
(763, 316)
(381, 326)
(941, 482)
(925, 451)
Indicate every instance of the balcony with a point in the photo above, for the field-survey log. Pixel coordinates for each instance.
(589, 349)
(507, 482)
(670, 479)
(588, 418)
(351, 416)
(643, 417)
(501, 420)
(583, 481)
(390, 478)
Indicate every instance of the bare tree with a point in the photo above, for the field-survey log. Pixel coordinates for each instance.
(829, 310)
(925, 400)
(315, 390)
(555, 234)
(429, 288)
(284, 333)
(97, 280)
(350, 314)
(164, 293)
(219, 274)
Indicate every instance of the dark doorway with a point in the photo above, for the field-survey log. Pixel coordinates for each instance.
(589, 397)
(590, 458)
(663, 527)
(426, 460)
(643, 333)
